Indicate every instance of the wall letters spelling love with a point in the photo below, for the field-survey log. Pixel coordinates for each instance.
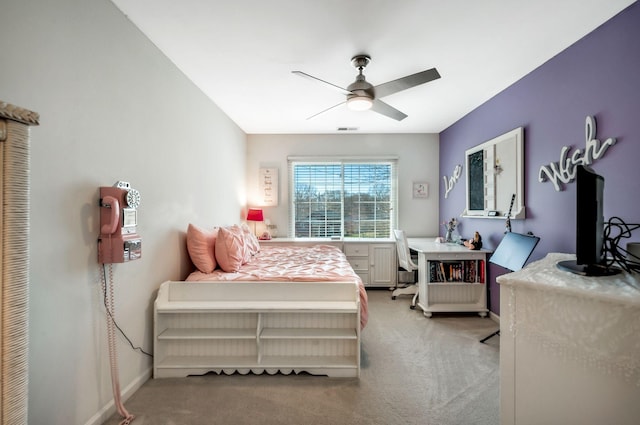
(451, 181)
(564, 171)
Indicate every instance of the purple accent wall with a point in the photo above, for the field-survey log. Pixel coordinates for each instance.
(599, 76)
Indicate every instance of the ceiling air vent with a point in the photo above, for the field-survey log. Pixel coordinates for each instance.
(347, 128)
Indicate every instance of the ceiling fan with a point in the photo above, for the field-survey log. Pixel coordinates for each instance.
(362, 95)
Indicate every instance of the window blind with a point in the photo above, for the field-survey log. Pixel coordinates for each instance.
(352, 198)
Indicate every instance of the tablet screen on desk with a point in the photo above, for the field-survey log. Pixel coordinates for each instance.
(514, 250)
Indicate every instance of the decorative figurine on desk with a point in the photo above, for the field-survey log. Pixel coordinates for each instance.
(450, 228)
(475, 243)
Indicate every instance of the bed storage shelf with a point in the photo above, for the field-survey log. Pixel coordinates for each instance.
(257, 327)
(308, 333)
(207, 333)
(255, 306)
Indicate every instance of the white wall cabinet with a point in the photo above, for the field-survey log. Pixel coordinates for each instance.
(383, 264)
(374, 262)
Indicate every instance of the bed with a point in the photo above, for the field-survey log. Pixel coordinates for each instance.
(318, 263)
(277, 309)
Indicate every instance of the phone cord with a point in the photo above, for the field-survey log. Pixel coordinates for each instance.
(113, 355)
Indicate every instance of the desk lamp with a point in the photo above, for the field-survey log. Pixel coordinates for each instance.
(255, 214)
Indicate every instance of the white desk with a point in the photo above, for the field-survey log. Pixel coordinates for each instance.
(451, 277)
(569, 347)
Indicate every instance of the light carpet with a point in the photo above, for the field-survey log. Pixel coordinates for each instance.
(415, 370)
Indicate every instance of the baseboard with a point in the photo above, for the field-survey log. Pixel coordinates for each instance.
(494, 317)
(110, 408)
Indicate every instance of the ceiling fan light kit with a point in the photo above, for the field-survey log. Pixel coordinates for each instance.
(361, 95)
(359, 103)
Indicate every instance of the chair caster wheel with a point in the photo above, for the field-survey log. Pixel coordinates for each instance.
(393, 297)
(412, 307)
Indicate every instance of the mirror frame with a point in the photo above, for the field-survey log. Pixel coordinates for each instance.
(499, 164)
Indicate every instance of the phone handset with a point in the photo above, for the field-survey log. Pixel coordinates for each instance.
(112, 224)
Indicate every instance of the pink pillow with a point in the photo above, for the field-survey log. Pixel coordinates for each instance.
(230, 249)
(251, 241)
(201, 248)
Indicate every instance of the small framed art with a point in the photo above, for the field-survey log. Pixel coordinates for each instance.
(420, 190)
(268, 186)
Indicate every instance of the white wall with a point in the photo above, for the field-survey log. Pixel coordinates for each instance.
(112, 108)
(417, 161)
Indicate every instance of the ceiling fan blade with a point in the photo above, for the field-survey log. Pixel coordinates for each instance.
(388, 110)
(332, 86)
(322, 112)
(391, 87)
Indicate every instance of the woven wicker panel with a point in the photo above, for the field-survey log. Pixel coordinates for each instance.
(15, 273)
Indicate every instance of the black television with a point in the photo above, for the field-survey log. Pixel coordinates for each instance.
(590, 254)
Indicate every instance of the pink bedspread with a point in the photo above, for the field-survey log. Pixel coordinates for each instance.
(295, 264)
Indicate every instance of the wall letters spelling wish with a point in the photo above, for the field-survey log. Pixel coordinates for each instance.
(564, 171)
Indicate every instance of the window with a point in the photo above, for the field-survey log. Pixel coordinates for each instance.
(342, 198)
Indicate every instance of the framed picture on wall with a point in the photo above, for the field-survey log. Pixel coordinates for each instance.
(268, 186)
(420, 190)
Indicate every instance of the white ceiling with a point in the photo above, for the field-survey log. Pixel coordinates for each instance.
(241, 53)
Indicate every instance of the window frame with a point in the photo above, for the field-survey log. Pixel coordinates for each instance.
(342, 163)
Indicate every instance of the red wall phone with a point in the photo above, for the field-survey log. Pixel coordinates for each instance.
(118, 241)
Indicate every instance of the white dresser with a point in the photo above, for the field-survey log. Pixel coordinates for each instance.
(569, 347)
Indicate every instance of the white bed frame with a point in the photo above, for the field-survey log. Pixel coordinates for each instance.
(243, 326)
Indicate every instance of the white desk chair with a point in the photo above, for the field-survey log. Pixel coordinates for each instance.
(405, 262)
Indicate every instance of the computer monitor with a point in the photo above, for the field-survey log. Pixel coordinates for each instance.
(514, 250)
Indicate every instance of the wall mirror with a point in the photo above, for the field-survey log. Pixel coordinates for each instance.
(494, 176)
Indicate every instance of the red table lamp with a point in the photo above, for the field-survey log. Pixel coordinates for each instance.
(255, 214)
